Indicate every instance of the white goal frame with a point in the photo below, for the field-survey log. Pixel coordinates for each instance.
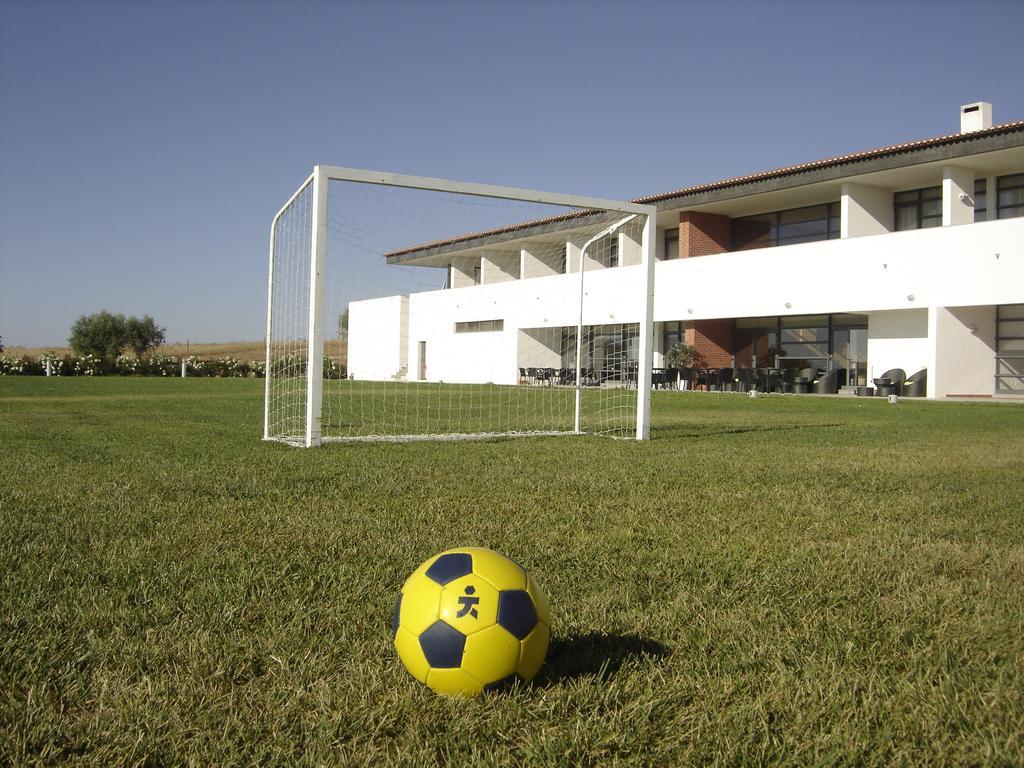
(320, 178)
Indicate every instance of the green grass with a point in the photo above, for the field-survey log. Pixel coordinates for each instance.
(780, 580)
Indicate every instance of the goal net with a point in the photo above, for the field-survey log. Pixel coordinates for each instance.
(404, 308)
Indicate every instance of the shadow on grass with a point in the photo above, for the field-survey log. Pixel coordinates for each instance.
(594, 654)
(699, 431)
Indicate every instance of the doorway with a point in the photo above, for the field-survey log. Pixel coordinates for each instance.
(423, 362)
(850, 354)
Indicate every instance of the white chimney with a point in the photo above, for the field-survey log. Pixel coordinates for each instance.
(975, 117)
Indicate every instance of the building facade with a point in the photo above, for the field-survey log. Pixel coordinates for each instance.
(909, 256)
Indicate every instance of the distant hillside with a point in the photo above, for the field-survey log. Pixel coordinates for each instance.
(249, 351)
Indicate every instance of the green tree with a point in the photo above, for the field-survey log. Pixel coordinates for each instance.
(102, 334)
(343, 325)
(144, 335)
(681, 355)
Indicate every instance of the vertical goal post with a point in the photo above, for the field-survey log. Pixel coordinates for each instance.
(301, 230)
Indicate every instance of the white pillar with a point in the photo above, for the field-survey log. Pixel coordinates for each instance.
(864, 210)
(957, 196)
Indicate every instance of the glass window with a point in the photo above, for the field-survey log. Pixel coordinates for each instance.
(671, 243)
(980, 200)
(803, 225)
(1010, 196)
(804, 321)
(1011, 312)
(476, 275)
(917, 208)
(673, 333)
(479, 326)
(796, 225)
(1011, 328)
(752, 232)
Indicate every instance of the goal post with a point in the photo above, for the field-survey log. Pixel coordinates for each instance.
(463, 310)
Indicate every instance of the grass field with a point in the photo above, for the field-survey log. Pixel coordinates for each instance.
(783, 580)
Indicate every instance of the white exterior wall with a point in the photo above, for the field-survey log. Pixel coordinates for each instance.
(944, 266)
(897, 339)
(611, 296)
(377, 338)
(964, 348)
(892, 277)
(957, 196)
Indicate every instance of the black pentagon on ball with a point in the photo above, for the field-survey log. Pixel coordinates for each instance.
(396, 616)
(450, 567)
(516, 612)
(442, 645)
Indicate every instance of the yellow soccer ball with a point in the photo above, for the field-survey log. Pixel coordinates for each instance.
(470, 620)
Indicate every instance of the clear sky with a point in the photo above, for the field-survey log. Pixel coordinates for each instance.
(145, 146)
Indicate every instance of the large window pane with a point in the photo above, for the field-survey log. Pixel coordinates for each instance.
(791, 335)
(1010, 196)
(917, 208)
(1011, 312)
(803, 225)
(757, 322)
(805, 321)
(906, 218)
(980, 200)
(804, 350)
(1011, 327)
(753, 232)
(671, 244)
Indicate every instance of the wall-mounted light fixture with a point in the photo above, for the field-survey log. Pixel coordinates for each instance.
(910, 297)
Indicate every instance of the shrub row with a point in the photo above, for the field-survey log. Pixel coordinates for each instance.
(159, 365)
(125, 365)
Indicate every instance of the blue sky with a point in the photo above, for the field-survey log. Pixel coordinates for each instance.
(145, 146)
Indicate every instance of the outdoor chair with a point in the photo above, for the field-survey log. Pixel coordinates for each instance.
(890, 382)
(746, 379)
(827, 384)
(803, 380)
(724, 380)
(916, 385)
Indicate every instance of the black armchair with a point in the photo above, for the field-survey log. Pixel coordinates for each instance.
(890, 382)
(916, 385)
(828, 383)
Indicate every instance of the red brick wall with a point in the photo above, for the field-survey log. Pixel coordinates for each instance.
(712, 340)
(703, 234)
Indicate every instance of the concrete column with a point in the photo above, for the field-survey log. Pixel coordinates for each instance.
(499, 266)
(962, 347)
(703, 234)
(463, 269)
(541, 261)
(864, 210)
(630, 249)
(957, 196)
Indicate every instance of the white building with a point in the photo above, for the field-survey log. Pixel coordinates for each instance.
(909, 256)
